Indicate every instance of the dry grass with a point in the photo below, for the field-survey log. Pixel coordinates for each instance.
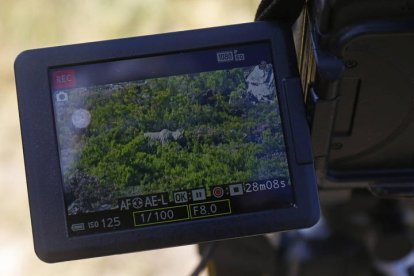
(28, 24)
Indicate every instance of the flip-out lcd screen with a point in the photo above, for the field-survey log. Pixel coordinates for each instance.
(164, 140)
(170, 138)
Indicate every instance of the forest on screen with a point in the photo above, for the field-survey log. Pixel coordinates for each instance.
(172, 133)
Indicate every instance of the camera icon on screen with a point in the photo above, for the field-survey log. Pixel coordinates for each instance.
(61, 96)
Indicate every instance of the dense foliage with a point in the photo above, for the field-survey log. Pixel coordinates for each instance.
(226, 135)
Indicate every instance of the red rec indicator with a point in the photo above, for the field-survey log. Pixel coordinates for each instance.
(64, 79)
(218, 192)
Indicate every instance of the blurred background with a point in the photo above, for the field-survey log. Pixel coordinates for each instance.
(26, 24)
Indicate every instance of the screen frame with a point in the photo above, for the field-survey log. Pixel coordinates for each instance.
(43, 173)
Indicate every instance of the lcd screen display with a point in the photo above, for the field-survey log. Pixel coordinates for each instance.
(170, 138)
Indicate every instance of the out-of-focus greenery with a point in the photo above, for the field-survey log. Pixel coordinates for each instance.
(26, 24)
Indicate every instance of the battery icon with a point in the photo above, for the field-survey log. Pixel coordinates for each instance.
(77, 227)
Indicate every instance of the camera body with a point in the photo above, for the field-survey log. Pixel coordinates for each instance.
(356, 64)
